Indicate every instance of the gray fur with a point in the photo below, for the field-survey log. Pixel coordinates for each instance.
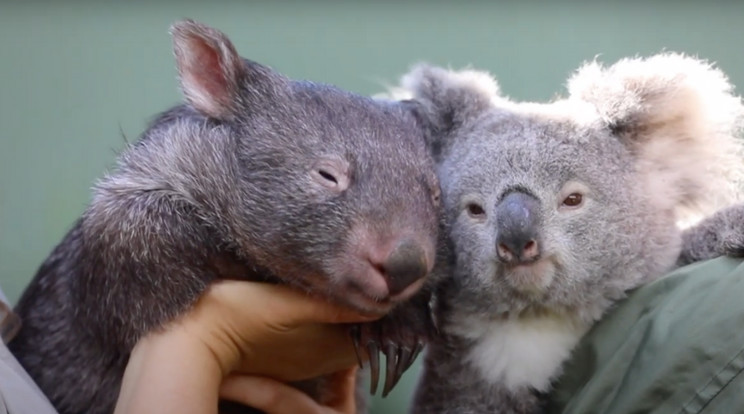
(720, 234)
(644, 142)
(229, 185)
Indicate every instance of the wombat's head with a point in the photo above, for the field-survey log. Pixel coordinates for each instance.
(564, 206)
(336, 192)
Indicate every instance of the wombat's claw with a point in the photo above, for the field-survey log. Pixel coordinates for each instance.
(390, 352)
(404, 362)
(432, 304)
(374, 365)
(356, 334)
(393, 358)
(416, 351)
(394, 337)
(399, 359)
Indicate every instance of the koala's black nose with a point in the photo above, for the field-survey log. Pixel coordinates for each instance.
(405, 265)
(518, 228)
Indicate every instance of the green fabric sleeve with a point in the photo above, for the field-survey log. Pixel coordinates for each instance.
(673, 346)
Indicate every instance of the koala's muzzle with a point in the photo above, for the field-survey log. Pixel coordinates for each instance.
(518, 228)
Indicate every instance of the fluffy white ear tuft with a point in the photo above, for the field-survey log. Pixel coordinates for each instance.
(209, 68)
(680, 117)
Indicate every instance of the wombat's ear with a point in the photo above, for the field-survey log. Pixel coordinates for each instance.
(210, 70)
(446, 99)
(679, 117)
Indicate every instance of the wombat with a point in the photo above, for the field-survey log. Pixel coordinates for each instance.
(557, 209)
(255, 177)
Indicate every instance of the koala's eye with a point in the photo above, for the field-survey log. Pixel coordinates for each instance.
(573, 200)
(475, 210)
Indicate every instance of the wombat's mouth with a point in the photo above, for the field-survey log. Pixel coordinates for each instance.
(375, 272)
(378, 300)
(364, 303)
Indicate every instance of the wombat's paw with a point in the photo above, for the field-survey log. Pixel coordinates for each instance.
(400, 335)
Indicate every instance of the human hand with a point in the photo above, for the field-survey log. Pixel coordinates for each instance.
(275, 397)
(237, 327)
(274, 331)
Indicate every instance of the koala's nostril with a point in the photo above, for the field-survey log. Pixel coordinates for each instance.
(516, 251)
(405, 265)
(504, 252)
(530, 250)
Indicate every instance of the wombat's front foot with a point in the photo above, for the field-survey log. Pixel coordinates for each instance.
(400, 335)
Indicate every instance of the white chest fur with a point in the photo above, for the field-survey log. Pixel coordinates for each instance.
(521, 352)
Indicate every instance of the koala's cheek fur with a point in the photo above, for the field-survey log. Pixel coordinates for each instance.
(478, 253)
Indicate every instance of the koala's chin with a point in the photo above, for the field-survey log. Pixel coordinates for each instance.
(531, 279)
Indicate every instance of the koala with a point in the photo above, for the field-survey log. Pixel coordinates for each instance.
(257, 177)
(555, 210)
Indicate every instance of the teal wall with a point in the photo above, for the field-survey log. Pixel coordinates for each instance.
(75, 75)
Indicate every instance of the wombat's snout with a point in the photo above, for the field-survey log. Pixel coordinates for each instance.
(403, 266)
(518, 228)
(385, 268)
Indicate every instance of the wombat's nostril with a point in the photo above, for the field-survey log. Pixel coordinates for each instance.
(405, 265)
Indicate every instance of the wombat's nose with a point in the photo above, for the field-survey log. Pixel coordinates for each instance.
(518, 228)
(405, 265)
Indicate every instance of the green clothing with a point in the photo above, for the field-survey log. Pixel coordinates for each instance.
(673, 346)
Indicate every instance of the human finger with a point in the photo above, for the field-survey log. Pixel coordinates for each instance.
(288, 304)
(342, 386)
(270, 396)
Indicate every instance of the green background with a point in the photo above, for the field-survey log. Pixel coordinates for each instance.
(75, 76)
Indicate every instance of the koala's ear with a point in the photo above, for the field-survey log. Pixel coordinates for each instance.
(447, 99)
(213, 76)
(680, 118)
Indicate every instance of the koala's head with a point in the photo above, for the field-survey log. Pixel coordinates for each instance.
(336, 191)
(563, 206)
